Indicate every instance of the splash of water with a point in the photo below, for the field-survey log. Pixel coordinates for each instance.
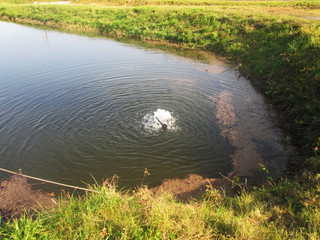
(151, 123)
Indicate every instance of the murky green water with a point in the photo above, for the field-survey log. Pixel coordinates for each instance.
(74, 107)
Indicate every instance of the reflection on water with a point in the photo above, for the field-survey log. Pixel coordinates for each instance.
(73, 107)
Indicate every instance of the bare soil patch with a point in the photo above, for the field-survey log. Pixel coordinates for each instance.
(193, 186)
(17, 197)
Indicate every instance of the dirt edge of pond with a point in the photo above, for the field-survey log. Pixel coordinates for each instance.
(17, 196)
(193, 186)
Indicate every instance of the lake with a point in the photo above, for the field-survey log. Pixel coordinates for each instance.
(76, 108)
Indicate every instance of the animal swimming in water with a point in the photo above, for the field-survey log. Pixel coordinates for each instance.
(164, 126)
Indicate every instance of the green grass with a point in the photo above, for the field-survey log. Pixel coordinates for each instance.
(288, 210)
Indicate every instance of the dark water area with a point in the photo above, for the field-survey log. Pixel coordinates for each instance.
(74, 108)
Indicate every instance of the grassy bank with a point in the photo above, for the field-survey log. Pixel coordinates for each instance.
(276, 47)
(288, 210)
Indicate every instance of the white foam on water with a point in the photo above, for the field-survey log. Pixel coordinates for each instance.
(151, 123)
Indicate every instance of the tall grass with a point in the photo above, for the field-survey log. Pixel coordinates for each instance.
(288, 210)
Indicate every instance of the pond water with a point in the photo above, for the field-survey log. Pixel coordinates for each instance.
(74, 108)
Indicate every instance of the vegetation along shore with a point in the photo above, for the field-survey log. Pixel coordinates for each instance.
(276, 45)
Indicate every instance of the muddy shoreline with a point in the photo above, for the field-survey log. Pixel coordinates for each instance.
(17, 196)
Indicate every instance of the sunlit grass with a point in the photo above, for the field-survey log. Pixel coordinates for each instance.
(287, 210)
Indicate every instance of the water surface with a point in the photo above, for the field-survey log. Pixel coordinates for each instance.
(76, 107)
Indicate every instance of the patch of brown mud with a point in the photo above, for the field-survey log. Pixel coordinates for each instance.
(17, 197)
(193, 186)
